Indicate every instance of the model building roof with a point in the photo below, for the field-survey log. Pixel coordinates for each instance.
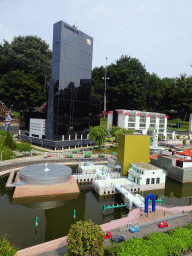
(146, 166)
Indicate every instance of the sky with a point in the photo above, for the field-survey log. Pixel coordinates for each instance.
(156, 32)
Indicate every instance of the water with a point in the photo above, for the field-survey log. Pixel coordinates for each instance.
(18, 220)
(55, 215)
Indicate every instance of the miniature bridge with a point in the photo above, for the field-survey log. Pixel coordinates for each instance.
(136, 200)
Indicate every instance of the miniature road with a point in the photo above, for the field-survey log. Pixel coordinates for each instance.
(174, 223)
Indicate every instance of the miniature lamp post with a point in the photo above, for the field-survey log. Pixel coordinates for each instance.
(105, 90)
(1, 156)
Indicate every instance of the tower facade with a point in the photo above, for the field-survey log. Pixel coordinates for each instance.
(71, 109)
(72, 55)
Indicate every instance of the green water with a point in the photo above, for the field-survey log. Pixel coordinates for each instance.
(54, 217)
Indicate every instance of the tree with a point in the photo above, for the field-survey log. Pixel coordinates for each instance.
(6, 248)
(32, 56)
(9, 142)
(28, 53)
(125, 88)
(19, 88)
(153, 92)
(115, 131)
(85, 238)
(99, 134)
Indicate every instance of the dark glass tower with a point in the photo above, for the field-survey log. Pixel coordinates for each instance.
(71, 109)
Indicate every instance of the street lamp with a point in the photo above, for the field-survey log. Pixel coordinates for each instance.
(105, 89)
(1, 156)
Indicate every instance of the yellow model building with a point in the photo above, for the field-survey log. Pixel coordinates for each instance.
(132, 148)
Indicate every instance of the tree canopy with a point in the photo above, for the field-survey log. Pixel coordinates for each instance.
(85, 238)
(25, 66)
(99, 134)
(131, 87)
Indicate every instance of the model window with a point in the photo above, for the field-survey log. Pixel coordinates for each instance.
(153, 181)
(147, 181)
(157, 180)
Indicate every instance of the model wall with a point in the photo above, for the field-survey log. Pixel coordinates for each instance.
(131, 149)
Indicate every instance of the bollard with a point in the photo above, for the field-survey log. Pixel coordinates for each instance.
(164, 213)
(74, 214)
(36, 222)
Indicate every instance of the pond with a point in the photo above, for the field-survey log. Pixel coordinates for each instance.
(56, 216)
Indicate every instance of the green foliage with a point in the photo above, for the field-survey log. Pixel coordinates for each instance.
(163, 137)
(126, 85)
(16, 114)
(3, 133)
(180, 234)
(110, 139)
(171, 138)
(159, 138)
(99, 134)
(174, 121)
(190, 141)
(85, 237)
(115, 131)
(177, 136)
(6, 248)
(9, 142)
(158, 244)
(24, 146)
(25, 64)
(19, 88)
(30, 54)
(184, 142)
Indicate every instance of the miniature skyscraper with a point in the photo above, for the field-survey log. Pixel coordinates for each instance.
(70, 106)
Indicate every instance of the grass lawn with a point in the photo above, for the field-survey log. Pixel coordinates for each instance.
(183, 128)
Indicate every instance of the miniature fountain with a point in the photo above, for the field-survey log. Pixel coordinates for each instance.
(44, 180)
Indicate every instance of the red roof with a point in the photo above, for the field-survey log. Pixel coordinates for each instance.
(186, 152)
(154, 157)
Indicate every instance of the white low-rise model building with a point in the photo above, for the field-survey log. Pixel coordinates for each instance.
(138, 120)
(147, 175)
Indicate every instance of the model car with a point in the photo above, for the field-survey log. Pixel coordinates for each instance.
(88, 155)
(117, 239)
(134, 229)
(163, 224)
(101, 155)
(107, 235)
(68, 156)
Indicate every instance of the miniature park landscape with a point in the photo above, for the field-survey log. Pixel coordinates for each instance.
(106, 174)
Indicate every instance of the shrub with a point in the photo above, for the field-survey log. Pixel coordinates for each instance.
(6, 248)
(163, 137)
(110, 139)
(9, 142)
(190, 141)
(184, 142)
(177, 136)
(159, 138)
(85, 237)
(171, 138)
(24, 146)
(7, 154)
(3, 133)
